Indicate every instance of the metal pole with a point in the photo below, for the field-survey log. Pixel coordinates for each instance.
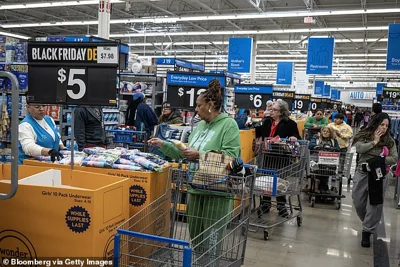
(253, 61)
(72, 138)
(104, 19)
(14, 134)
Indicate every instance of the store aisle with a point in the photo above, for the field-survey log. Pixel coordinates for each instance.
(328, 237)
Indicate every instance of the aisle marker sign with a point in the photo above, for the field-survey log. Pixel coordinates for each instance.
(379, 88)
(284, 73)
(72, 73)
(319, 87)
(320, 56)
(327, 90)
(334, 94)
(393, 51)
(239, 55)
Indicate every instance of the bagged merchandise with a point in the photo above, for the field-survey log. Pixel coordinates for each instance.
(97, 164)
(122, 161)
(149, 156)
(127, 167)
(93, 150)
(146, 163)
(264, 184)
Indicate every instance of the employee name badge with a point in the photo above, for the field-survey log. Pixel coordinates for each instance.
(379, 174)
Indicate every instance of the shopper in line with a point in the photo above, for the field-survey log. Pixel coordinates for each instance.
(215, 132)
(140, 115)
(349, 116)
(279, 125)
(38, 135)
(358, 117)
(374, 143)
(343, 132)
(376, 109)
(170, 115)
(89, 127)
(268, 110)
(316, 121)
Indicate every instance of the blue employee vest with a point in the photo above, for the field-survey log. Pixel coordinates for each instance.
(44, 139)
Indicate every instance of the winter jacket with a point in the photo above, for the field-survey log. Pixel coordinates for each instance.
(312, 120)
(346, 133)
(88, 128)
(174, 118)
(145, 115)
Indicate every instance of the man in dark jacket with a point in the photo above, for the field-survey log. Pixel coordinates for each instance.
(89, 127)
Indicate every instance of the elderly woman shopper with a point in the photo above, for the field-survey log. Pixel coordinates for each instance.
(278, 125)
(377, 151)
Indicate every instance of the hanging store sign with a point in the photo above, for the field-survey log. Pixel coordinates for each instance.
(393, 51)
(284, 73)
(320, 56)
(186, 66)
(315, 103)
(327, 90)
(334, 94)
(239, 55)
(319, 87)
(362, 95)
(286, 96)
(379, 88)
(192, 79)
(165, 61)
(72, 73)
(250, 96)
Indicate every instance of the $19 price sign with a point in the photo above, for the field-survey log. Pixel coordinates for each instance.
(391, 92)
(183, 97)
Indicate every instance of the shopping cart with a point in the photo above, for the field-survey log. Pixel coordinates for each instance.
(209, 229)
(327, 170)
(308, 133)
(127, 138)
(280, 174)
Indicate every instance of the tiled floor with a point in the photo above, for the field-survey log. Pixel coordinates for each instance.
(328, 237)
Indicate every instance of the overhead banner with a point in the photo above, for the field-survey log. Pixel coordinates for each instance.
(339, 94)
(189, 79)
(73, 73)
(284, 73)
(393, 51)
(239, 56)
(320, 56)
(327, 90)
(379, 88)
(319, 87)
(334, 94)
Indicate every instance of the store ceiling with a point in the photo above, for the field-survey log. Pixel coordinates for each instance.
(181, 28)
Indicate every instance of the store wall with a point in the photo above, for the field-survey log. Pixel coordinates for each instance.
(344, 97)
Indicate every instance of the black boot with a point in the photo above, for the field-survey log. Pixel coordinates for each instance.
(365, 241)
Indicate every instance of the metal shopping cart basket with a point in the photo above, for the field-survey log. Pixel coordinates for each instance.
(208, 229)
(308, 133)
(327, 170)
(281, 168)
(128, 138)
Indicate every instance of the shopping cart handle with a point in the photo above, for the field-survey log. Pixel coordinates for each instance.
(125, 131)
(153, 238)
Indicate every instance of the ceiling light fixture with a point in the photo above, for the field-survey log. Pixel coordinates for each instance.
(54, 4)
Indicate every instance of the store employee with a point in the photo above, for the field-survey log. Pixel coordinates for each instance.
(38, 135)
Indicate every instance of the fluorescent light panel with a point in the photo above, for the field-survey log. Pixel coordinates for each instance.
(264, 15)
(15, 35)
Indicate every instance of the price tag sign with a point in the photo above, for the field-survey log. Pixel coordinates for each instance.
(286, 96)
(72, 73)
(252, 96)
(391, 92)
(107, 54)
(301, 102)
(183, 96)
(315, 103)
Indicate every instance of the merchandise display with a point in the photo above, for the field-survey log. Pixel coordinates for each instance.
(118, 158)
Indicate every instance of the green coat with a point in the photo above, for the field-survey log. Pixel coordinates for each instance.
(311, 121)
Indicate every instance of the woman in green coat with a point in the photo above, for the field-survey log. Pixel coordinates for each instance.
(317, 121)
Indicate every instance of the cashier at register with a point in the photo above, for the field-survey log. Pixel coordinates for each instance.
(38, 135)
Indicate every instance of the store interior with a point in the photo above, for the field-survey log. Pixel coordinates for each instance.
(316, 56)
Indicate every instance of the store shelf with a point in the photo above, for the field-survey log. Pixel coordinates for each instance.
(137, 74)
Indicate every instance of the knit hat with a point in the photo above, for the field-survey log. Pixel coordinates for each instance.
(137, 96)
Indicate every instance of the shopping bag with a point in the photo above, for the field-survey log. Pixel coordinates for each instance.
(213, 173)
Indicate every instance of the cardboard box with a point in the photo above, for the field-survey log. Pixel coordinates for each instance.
(144, 188)
(61, 213)
(248, 143)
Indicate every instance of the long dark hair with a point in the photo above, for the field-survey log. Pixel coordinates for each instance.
(367, 134)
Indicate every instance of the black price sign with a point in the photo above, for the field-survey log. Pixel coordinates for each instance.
(183, 96)
(301, 102)
(391, 92)
(251, 101)
(316, 103)
(324, 103)
(288, 97)
(72, 73)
